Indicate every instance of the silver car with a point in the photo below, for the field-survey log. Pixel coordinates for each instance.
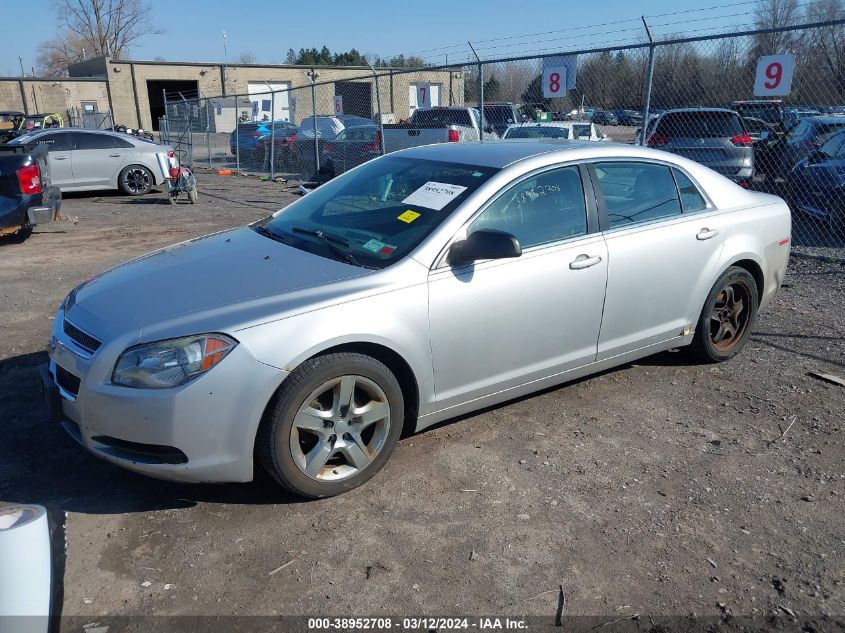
(711, 136)
(90, 160)
(412, 289)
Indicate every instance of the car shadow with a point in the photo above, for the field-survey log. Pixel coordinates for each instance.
(40, 463)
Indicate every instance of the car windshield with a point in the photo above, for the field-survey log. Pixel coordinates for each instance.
(700, 125)
(29, 137)
(537, 132)
(769, 112)
(378, 212)
(327, 127)
(826, 130)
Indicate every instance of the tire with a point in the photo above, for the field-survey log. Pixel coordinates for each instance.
(340, 447)
(722, 330)
(135, 180)
(193, 196)
(21, 235)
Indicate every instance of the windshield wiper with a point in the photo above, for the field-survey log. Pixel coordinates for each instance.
(329, 241)
(263, 230)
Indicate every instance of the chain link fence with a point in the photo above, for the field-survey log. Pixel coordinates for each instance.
(694, 96)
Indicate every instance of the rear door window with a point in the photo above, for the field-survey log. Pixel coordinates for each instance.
(824, 132)
(636, 192)
(833, 145)
(700, 125)
(94, 141)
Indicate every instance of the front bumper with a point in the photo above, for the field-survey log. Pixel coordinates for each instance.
(203, 431)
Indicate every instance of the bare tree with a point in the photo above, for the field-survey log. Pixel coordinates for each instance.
(54, 56)
(101, 27)
(246, 58)
(773, 14)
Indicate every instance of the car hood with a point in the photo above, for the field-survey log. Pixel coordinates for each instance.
(203, 275)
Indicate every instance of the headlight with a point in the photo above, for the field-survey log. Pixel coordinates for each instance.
(170, 363)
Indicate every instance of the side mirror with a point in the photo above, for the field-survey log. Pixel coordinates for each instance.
(484, 244)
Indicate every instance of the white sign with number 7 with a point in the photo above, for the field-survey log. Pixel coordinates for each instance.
(774, 75)
(424, 95)
(554, 82)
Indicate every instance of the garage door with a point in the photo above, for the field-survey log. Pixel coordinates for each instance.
(357, 97)
(263, 107)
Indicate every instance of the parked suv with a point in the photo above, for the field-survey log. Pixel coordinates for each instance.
(711, 136)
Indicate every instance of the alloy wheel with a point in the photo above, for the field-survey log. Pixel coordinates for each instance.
(730, 315)
(340, 428)
(137, 180)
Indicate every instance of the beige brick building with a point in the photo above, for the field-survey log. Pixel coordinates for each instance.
(134, 90)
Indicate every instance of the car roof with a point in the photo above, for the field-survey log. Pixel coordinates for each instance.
(823, 120)
(500, 154)
(693, 110)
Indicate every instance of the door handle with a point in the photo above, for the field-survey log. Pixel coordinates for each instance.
(706, 234)
(115, 155)
(60, 157)
(584, 261)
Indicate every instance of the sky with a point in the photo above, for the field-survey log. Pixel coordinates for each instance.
(193, 29)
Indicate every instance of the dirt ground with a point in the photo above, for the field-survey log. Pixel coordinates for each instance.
(663, 487)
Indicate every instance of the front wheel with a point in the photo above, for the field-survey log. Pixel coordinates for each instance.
(727, 317)
(334, 424)
(135, 180)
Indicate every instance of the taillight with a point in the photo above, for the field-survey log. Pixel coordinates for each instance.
(171, 154)
(454, 136)
(656, 140)
(257, 135)
(744, 184)
(376, 144)
(291, 139)
(742, 139)
(29, 178)
(327, 147)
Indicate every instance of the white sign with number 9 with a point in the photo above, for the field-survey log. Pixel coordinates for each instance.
(554, 82)
(774, 75)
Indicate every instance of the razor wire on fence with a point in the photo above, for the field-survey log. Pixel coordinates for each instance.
(765, 108)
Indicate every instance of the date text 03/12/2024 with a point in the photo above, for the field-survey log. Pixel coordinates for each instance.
(415, 624)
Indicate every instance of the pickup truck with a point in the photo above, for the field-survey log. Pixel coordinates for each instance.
(27, 196)
(426, 126)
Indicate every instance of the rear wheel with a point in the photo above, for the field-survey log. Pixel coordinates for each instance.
(20, 235)
(727, 317)
(334, 424)
(135, 180)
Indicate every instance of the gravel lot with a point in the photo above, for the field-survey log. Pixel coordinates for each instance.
(660, 488)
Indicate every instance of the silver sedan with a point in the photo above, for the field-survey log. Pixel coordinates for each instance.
(91, 160)
(417, 287)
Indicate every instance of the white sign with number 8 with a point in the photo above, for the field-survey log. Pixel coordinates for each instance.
(774, 75)
(554, 82)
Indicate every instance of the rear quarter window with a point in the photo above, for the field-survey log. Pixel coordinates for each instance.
(691, 198)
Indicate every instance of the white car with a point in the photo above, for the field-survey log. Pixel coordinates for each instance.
(571, 130)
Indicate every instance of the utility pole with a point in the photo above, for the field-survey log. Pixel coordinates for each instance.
(23, 72)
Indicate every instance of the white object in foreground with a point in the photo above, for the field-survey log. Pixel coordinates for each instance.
(25, 568)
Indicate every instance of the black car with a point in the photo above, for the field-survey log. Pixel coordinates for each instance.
(628, 117)
(500, 115)
(604, 117)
